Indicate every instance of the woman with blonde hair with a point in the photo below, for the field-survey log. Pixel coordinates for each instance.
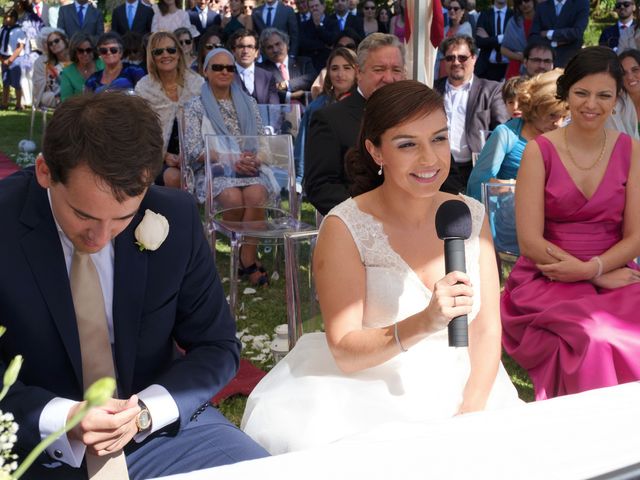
(169, 85)
(542, 112)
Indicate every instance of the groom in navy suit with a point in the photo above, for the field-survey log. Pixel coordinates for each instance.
(172, 335)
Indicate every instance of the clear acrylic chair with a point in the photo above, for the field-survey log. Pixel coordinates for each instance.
(303, 309)
(499, 202)
(281, 119)
(245, 200)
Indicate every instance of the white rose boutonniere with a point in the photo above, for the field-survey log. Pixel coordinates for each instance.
(152, 231)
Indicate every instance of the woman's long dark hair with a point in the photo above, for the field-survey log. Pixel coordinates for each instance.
(388, 107)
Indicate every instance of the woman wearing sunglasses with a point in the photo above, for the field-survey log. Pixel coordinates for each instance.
(169, 85)
(84, 63)
(210, 39)
(516, 33)
(223, 108)
(116, 74)
(371, 24)
(187, 45)
(48, 67)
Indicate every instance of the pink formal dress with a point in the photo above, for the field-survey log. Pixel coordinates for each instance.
(573, 337)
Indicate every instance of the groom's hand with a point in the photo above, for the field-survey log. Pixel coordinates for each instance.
(108, 428)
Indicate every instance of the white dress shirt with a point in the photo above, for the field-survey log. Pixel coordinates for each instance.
(248, 76)
(503, 23)
(160, 403)
(455, 105)
(265, 12)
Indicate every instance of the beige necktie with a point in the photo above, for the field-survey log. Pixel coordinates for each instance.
(95, 347)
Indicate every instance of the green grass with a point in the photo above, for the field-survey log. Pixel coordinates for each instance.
(262, 311)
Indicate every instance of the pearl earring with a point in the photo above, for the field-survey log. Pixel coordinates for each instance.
(380, 171)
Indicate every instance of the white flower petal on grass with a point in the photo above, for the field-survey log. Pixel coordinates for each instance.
(249, 291)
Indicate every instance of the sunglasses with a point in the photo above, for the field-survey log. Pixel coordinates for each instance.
(85, 50)
(156, 52)
(460, 58)
(217, 67)
(211, 46)
(185, 42)
(111, 50)
(53, 42)
(454, 9)
(622, 5)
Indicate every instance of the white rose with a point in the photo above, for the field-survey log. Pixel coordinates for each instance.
(152, 231)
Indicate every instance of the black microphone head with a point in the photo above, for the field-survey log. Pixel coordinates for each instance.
(453, 220)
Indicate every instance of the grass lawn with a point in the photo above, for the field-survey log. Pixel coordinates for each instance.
(262, 310)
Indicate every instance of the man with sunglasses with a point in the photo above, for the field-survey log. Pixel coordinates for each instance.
(256, 81)
(132, 16)
(610, 36)
(563, 23)
(472, 104)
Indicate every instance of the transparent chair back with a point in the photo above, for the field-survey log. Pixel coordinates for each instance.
(499, 202)
(303, 309)
(281, 119)
(187, 178)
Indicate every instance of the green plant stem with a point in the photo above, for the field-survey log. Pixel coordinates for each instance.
(48, 441)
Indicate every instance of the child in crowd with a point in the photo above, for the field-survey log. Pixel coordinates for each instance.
(12, 40)
(510, 96)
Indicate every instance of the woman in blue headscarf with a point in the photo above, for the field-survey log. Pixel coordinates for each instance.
(223, 108)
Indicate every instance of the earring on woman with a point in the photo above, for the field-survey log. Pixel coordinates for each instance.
(380, 171)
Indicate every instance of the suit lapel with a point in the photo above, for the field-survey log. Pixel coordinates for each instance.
(472, 100)
(129, 288)
(43, 251)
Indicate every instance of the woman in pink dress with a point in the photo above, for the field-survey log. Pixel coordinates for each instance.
(570, 306)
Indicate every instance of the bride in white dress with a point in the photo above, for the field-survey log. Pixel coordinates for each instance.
(385, 298)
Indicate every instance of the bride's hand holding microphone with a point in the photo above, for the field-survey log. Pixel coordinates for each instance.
(452, 297)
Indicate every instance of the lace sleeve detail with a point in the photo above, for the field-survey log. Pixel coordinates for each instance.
(477, 214)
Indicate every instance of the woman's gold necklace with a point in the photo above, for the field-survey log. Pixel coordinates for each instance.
(578, 166)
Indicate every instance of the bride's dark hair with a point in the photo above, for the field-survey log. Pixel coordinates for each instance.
(388, 107)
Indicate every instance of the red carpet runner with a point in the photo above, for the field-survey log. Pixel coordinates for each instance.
(7, 167)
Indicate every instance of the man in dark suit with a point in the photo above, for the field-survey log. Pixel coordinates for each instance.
(80, 16)
(293, 76)
(611, 34)
(563, 24)
(317, 35)
(344, 19)
(274, 14)
(303, 14)
(81, 210)
(41, 9)
(335, 128)
(489, 34)
(132, 16)
(472, 104)
(202, 17)
(256, 81)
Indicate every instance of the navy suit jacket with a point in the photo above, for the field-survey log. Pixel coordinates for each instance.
(316, 41)
(169, 296)
(93, 23)
(487, 20)
(568, 28)
(301, 74)
(610, 36)
(141, 21)
(264, 86)
(284, 19)
(213, 18)
(353, 22)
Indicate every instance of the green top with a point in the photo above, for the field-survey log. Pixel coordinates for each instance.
(72, 81)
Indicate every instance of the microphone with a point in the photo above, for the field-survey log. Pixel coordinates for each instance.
(453, 225)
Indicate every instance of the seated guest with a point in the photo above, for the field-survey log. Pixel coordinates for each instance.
(169, 85)
(516, 34)
(538, 57)
(348, 39)
(627, 112)
(116, 75)
(209, 40)
(458, 24)
(510, 96)
(47, 68)
(256, 81)
(385, 298)
(570, 305)
(223, 108)
(82, 301)
(237, 19)
(542, 112)
(342, 66)
(187, 44)
(133, 50)
(293, 76)
(472, 104)
(84, 63)
(610, 35)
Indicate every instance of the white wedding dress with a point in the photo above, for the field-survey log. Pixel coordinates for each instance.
(306, 401)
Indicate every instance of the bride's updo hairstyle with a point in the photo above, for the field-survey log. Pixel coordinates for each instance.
(388, 107)
(589, 61)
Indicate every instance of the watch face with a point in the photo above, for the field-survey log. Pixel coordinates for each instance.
(143, 420)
